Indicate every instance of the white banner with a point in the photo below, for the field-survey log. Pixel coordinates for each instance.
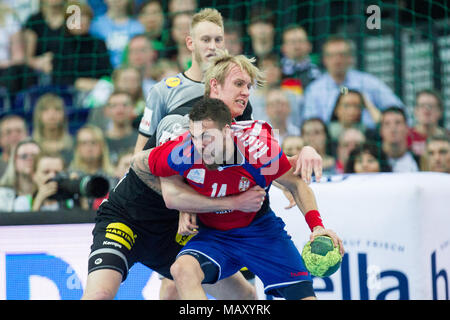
(395, 228)
(396, 233)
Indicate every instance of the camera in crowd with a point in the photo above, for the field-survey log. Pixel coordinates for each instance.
(91, 186)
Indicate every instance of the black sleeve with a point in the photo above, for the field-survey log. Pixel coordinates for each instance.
(151, 142)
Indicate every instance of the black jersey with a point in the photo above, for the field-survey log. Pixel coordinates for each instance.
(132, 198)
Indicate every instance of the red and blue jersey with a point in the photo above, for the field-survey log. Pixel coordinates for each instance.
(261, 162)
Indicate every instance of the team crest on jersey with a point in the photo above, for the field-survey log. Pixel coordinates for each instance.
(172, 82)
(197, 175)
(244, 184)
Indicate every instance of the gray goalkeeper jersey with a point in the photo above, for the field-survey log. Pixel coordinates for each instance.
(171, 99)
(166, 96)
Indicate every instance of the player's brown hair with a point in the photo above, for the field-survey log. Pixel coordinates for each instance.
(211, 109)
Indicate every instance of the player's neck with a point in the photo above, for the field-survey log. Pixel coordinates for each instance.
(194, 72)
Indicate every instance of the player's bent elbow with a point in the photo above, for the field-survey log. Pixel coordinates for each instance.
(170, 200)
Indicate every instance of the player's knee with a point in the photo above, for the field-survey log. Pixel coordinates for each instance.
(186, 269)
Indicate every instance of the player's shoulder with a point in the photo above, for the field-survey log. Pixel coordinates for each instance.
(168, 83)
(251, 127)
(255, 141)
(172, 83)
(172, 126)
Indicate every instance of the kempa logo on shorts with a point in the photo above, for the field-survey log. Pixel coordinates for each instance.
(120, 233)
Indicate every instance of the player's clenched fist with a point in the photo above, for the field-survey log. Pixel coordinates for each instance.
(250, 200)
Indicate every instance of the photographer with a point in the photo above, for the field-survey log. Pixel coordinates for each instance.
(56, 190)
(46, 167)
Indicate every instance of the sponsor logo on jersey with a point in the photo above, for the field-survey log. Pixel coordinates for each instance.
(172, 82)
(197, 175)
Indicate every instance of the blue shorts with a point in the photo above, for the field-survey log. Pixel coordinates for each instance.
(264, 247)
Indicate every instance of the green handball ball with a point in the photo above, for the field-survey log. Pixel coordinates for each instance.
(321, 258)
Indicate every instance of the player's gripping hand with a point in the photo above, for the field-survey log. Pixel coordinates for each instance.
(320, 231)
(250, 200)
(187, 223)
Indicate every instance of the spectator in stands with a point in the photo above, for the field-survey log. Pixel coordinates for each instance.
(84, 59)
(91, 157)
(347, 113)
(121, 135)
(177, 6)
(165, 68)
(12, 130)
(15, 73)
(116, 28)
(16, 184)
(278, 109)
(11, 50)
(91, 154)
(142, 56)
(367, 158)
(50, 126)
(180, 30)
(46, 167)
(321, 94)
(127, 79)
(438, 154)
(151, 16)
(233, 37)
(295, 63)
(428, 112)
(292, 145)
(349, 139)
(270, 65)
(315, 134)
(394, 132)
(261, 30)
(44, 35)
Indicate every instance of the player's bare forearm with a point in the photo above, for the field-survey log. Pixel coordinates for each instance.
(302, 193)
(140, 143)
(139, 164)
(180, 196)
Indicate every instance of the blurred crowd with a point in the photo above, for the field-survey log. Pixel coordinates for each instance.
(54, 69)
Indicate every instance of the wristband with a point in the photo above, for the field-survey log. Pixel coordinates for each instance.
(313, 219)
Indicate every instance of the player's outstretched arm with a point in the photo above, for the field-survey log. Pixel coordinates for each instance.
(180, 196)
(140, 143)
(302, 193)
(306, 202)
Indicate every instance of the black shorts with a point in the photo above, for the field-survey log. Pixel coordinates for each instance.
(119, 242)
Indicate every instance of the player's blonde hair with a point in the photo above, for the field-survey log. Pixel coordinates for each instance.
(221, 64)
(207, 14)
